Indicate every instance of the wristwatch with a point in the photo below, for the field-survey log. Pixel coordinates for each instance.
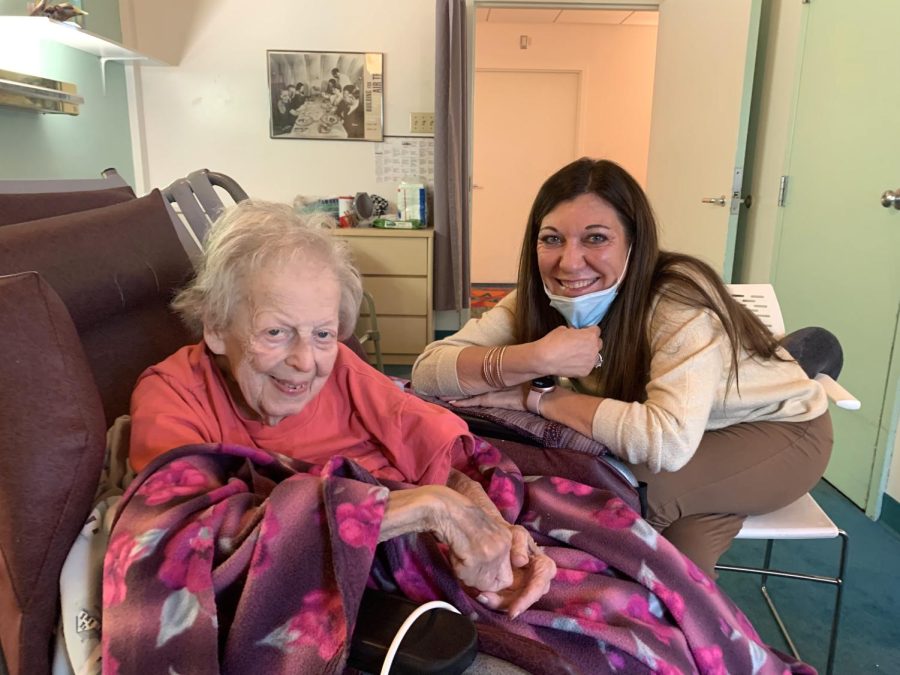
(539, 387)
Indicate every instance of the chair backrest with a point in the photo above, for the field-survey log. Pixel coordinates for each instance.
(110, 178)
(51, 452)
(197, 200)
(116, 268)
(817, 350)
(24, 200)
(760, 299)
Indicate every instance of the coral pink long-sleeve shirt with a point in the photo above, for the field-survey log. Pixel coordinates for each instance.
(360, 414)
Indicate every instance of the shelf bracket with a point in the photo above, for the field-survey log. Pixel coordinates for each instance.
(103, 61)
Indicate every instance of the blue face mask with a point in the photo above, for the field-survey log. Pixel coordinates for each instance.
(587, 310)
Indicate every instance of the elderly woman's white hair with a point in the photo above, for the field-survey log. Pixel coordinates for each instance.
(254, 235)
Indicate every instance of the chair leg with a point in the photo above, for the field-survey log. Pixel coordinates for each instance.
(763, 588)
(837, 581)
(839, 596)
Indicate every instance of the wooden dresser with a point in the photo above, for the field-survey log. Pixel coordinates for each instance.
(396, 266)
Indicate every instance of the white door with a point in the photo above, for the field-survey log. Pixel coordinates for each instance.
(838, 260)
(705, 58)
(516, 147)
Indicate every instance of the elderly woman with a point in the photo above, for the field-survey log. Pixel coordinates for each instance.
(273, 299)
(280, 475)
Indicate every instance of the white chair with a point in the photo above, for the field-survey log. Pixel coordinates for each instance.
(804, 518)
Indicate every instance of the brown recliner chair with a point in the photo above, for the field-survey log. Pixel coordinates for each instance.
(108, 276)
(84, 309)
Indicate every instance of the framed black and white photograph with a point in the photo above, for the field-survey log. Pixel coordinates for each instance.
(326, 95)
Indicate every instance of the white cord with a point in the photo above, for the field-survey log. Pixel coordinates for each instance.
(406, 625)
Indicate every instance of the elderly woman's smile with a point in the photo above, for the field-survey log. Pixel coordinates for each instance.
(281, 344)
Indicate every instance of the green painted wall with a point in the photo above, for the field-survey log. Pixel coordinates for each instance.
(34, 145)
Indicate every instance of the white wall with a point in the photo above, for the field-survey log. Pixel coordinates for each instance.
(212, 109)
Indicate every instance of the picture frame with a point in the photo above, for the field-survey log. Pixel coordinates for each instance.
(326, 95)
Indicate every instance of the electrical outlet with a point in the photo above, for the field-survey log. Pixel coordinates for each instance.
(421, 123)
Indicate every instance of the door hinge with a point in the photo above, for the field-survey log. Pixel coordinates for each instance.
(782, 190)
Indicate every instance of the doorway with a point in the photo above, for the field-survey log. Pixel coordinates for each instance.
(551, 85)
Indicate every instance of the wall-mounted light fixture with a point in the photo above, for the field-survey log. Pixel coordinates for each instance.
(40, 94)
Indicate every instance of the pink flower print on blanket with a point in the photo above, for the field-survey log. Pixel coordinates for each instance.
(262, 553)
(415, 578)
(123, 551)
(649, 613)
(319, 623)
(188, 558)
(359, 524)
(579, 573)
(615, 515)
(485, 455)
(179, 478)
(709, 660)
(671, 599)
(564, 486)
(502, 492)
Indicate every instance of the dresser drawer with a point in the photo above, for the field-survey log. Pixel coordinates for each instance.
(399, 334)
(390, 255)
(397, 295)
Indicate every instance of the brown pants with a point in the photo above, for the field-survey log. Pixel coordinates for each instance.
(742, 470)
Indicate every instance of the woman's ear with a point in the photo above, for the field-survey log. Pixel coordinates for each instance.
(214, 339)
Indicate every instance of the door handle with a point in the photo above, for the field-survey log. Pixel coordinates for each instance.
(891, 198)
(714, 200)
(475, 186)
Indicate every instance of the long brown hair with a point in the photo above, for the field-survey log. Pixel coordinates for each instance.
(651, 272)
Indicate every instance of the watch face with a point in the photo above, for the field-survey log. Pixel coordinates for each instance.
(543, 383)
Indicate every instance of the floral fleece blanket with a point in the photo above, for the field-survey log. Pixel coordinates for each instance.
(227, 559)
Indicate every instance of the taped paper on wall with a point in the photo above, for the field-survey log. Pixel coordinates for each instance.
(400, 158)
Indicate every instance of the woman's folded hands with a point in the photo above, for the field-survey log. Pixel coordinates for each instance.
(500, 563)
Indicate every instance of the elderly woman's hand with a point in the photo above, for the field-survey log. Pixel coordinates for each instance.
(531, 581)
(570, 352)
(532, 570)
(480, 543)
(500, 562)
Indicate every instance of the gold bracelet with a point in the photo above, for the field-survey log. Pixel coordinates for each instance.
(499, 372)
(486, 366)
(495, 358)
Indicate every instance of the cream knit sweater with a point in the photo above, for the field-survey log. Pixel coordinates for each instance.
(686, 394)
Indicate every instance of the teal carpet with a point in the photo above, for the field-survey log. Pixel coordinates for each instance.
(869, 635)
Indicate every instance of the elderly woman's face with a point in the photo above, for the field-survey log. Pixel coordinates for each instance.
(282, 341)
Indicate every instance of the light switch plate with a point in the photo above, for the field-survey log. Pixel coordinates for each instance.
(421, 123)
